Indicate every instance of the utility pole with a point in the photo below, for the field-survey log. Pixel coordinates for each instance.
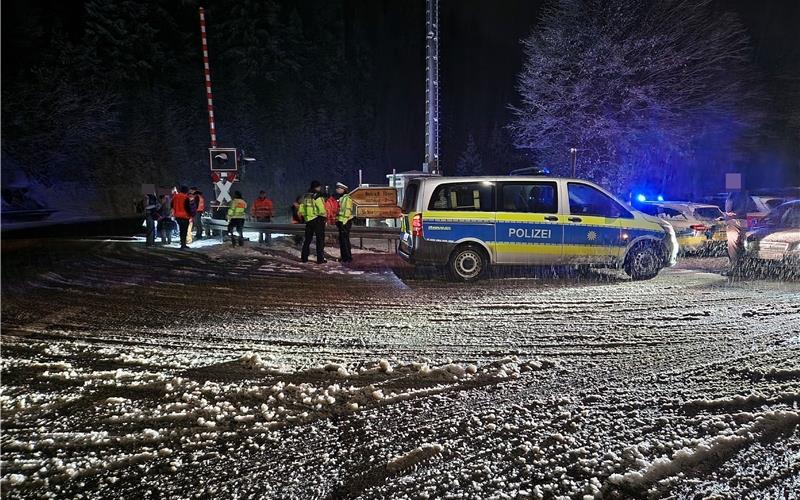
(431, 164)
(573, 153)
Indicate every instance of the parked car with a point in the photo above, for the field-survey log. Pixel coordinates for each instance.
(758, 207)
(777, 237)
(699, 227)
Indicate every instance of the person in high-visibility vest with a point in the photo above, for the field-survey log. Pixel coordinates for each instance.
(237, 211)
(344, 221)
(312, 209)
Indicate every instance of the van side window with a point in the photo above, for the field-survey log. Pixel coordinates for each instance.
(530, 197)
(473, 196)
(649, 210)
(587, 200)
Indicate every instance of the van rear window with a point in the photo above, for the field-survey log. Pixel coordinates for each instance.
(471, 196)
(410, 196)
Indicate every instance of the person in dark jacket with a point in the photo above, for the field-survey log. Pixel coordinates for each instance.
(736, 224)
(165, 222)
(151, 206)
(200, 201)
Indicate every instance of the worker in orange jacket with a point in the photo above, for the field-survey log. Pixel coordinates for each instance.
(261, 210)
(184, 208)
(332, 208)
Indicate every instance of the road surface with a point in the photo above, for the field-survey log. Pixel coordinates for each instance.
(228, 373)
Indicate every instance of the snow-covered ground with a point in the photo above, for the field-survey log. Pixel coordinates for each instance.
(226, 372)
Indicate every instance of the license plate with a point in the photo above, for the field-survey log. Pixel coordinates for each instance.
(770, 255)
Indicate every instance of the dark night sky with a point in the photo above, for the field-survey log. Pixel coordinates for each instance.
(480, 59)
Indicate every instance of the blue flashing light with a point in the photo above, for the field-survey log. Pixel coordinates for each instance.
(660, 197)
(641, 198)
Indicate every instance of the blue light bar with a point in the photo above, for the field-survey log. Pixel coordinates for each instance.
(660, 197)
(641, 197)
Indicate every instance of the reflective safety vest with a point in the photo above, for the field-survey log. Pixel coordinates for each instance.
(237, 209)
(312, 207)
(179, 206)
(345, 209)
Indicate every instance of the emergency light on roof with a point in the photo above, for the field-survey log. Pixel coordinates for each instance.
(641, 198)
(531, 171)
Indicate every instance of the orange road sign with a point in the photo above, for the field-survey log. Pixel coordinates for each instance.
(375, 196)
(373, 212)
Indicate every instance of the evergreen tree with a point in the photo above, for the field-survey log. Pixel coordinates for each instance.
(470, 163)
(645, 90)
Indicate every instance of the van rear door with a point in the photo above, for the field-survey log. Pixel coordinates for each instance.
(458, 212)
(408, 211)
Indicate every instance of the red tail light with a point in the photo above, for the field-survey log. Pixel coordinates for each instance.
(700, 227)
(416, 225)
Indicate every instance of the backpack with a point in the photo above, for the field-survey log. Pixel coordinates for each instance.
(191, 205)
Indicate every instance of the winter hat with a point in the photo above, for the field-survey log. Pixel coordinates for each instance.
(343, 186)
(315, 185)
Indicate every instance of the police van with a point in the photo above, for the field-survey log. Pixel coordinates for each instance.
(470, 223)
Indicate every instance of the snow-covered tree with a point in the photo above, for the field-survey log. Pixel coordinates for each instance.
(470, 163)
(646, 91)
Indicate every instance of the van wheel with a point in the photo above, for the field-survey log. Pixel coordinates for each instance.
(643, 262)
(467, 263)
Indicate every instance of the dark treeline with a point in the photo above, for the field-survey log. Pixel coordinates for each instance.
(99, 96)
(110, 92)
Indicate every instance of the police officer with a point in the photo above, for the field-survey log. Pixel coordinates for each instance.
(237, 211)
(312, 209)
(736, 224)
(344, 221)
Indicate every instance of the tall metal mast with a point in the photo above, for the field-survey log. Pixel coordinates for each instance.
(431, 164)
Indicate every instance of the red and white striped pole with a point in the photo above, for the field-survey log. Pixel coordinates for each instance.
(207, 71)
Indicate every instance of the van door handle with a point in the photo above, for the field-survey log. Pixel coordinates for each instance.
(575, 219)
(551, 217)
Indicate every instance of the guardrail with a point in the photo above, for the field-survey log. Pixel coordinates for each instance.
(267, 229)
